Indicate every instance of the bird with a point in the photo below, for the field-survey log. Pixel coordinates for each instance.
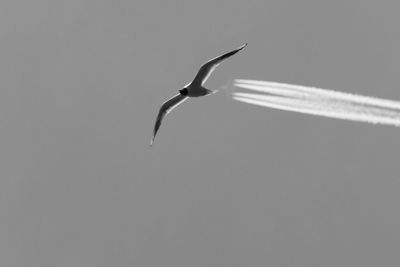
(192, 89)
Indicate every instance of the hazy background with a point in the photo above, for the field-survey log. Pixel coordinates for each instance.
(226, 184)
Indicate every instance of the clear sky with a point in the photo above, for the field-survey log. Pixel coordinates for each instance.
(226, 183)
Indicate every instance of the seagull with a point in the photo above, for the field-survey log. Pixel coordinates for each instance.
(193, 89)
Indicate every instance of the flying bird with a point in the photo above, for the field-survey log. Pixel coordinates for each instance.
(193, 89)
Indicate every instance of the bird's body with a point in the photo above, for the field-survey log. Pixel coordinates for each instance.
(193, 89)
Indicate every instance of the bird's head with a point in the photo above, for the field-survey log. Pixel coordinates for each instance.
(184, 91)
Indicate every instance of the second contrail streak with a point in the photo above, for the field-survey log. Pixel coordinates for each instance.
(319, 102)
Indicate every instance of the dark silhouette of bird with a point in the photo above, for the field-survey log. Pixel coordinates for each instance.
(193, 89)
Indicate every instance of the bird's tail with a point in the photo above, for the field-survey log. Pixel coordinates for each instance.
(210, 92)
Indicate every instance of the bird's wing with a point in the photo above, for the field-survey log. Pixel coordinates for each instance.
(166, 108)
(208, 67)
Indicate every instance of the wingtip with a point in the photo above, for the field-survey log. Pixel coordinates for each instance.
(151, 142)
(243, 46)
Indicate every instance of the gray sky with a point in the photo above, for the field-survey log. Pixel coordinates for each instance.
(226, 184)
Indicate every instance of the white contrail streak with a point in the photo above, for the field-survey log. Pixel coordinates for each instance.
(299, 91)
(319, 102)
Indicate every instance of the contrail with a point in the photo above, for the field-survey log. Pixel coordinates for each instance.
(320, 102)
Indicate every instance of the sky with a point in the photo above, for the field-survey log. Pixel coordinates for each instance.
(226, 183)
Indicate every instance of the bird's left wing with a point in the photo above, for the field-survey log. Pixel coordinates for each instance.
(166, 108)
(208, 67)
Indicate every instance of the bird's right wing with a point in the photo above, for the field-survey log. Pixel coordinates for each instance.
(166, 108)
(208, 67)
